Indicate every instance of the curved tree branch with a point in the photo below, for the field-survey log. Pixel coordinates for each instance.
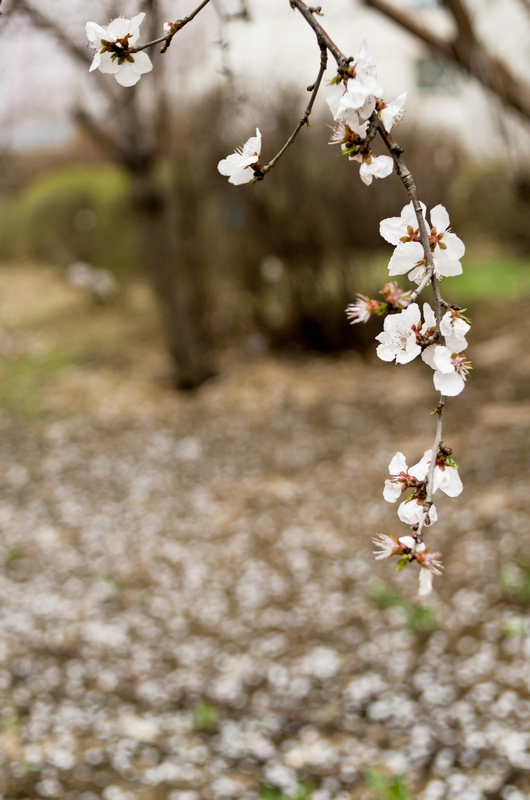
(466, 51)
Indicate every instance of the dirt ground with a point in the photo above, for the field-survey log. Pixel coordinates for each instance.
(189, 603)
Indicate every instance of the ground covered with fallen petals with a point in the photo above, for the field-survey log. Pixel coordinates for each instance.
(189, 604)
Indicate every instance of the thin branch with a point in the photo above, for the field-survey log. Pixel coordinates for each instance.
(322, 36)
(305, 119)
(168, 38)
(410, 24)
(45, 23)
(430, 478)
(466, 51)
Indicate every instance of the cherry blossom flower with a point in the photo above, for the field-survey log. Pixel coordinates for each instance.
(401, 480)
(411, 512)
(355, 95)
(394, 296)
(348, 134)
(430, 565)
(236, 165)
(390, 113)
(453, 328)
(112, 42)
(445, 476)
(398, 339)
(363, 309)
(388, 546)
(451, 369)
(373, 166)
(409, 257)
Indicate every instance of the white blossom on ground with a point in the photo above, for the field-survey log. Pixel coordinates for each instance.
(450, 369)
(398, 339)
(401, 478)
(390, 113)
(373, 166)
(411, 512)
(363, 309)
(453, 328)
(111, 43)
(236, 166)
(445, 478)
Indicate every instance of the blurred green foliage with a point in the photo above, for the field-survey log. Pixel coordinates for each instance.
(78, 212)
(205, 717)
(514, 580)
(386, 788)
(419, 618)
(305, 788)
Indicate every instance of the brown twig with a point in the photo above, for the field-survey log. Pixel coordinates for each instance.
(322, 36)
(305, 119)
(168, 38)
(466, 51)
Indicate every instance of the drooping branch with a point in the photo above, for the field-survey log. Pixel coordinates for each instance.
(305, 119)
(45, 23)
(175, 28)
(466, 51)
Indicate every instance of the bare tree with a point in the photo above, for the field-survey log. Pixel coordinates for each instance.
(139, 141)
(466, 50)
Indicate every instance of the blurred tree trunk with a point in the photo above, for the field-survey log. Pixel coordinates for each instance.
(174, 267)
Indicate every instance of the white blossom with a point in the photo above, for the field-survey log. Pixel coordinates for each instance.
(411, 512)
(398, 339)
(395, 486)
(454, 329)
(236, 166)
(425, 582)
(111, 43)
(373, 166)
(356, 95)
(445, 478)
(388, 546)
(362, 309)
(409, 256)
(393, 112)
(451, 369)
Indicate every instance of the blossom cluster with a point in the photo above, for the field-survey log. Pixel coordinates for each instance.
(425, 249)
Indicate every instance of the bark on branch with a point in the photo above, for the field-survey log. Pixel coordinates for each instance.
(466, 51)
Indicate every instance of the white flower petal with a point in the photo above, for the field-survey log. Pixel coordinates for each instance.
(142, 63)
(428, 355)
(454, 247)
(449, 384)
(448, 481)
(405, 258)
(95, 33)
(127, 75)
(392, 491)
(421, 469)
(439, 218)
(425, 582)
(443, 360)
(108, 64)
(398, 464)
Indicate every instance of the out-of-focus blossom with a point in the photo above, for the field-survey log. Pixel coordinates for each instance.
(236, 166)
(112, 42)
(373, 166)
(390, 113)
(411, 512)
(398, 339)
(363, 309)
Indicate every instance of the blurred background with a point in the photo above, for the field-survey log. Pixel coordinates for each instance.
(194, 440)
